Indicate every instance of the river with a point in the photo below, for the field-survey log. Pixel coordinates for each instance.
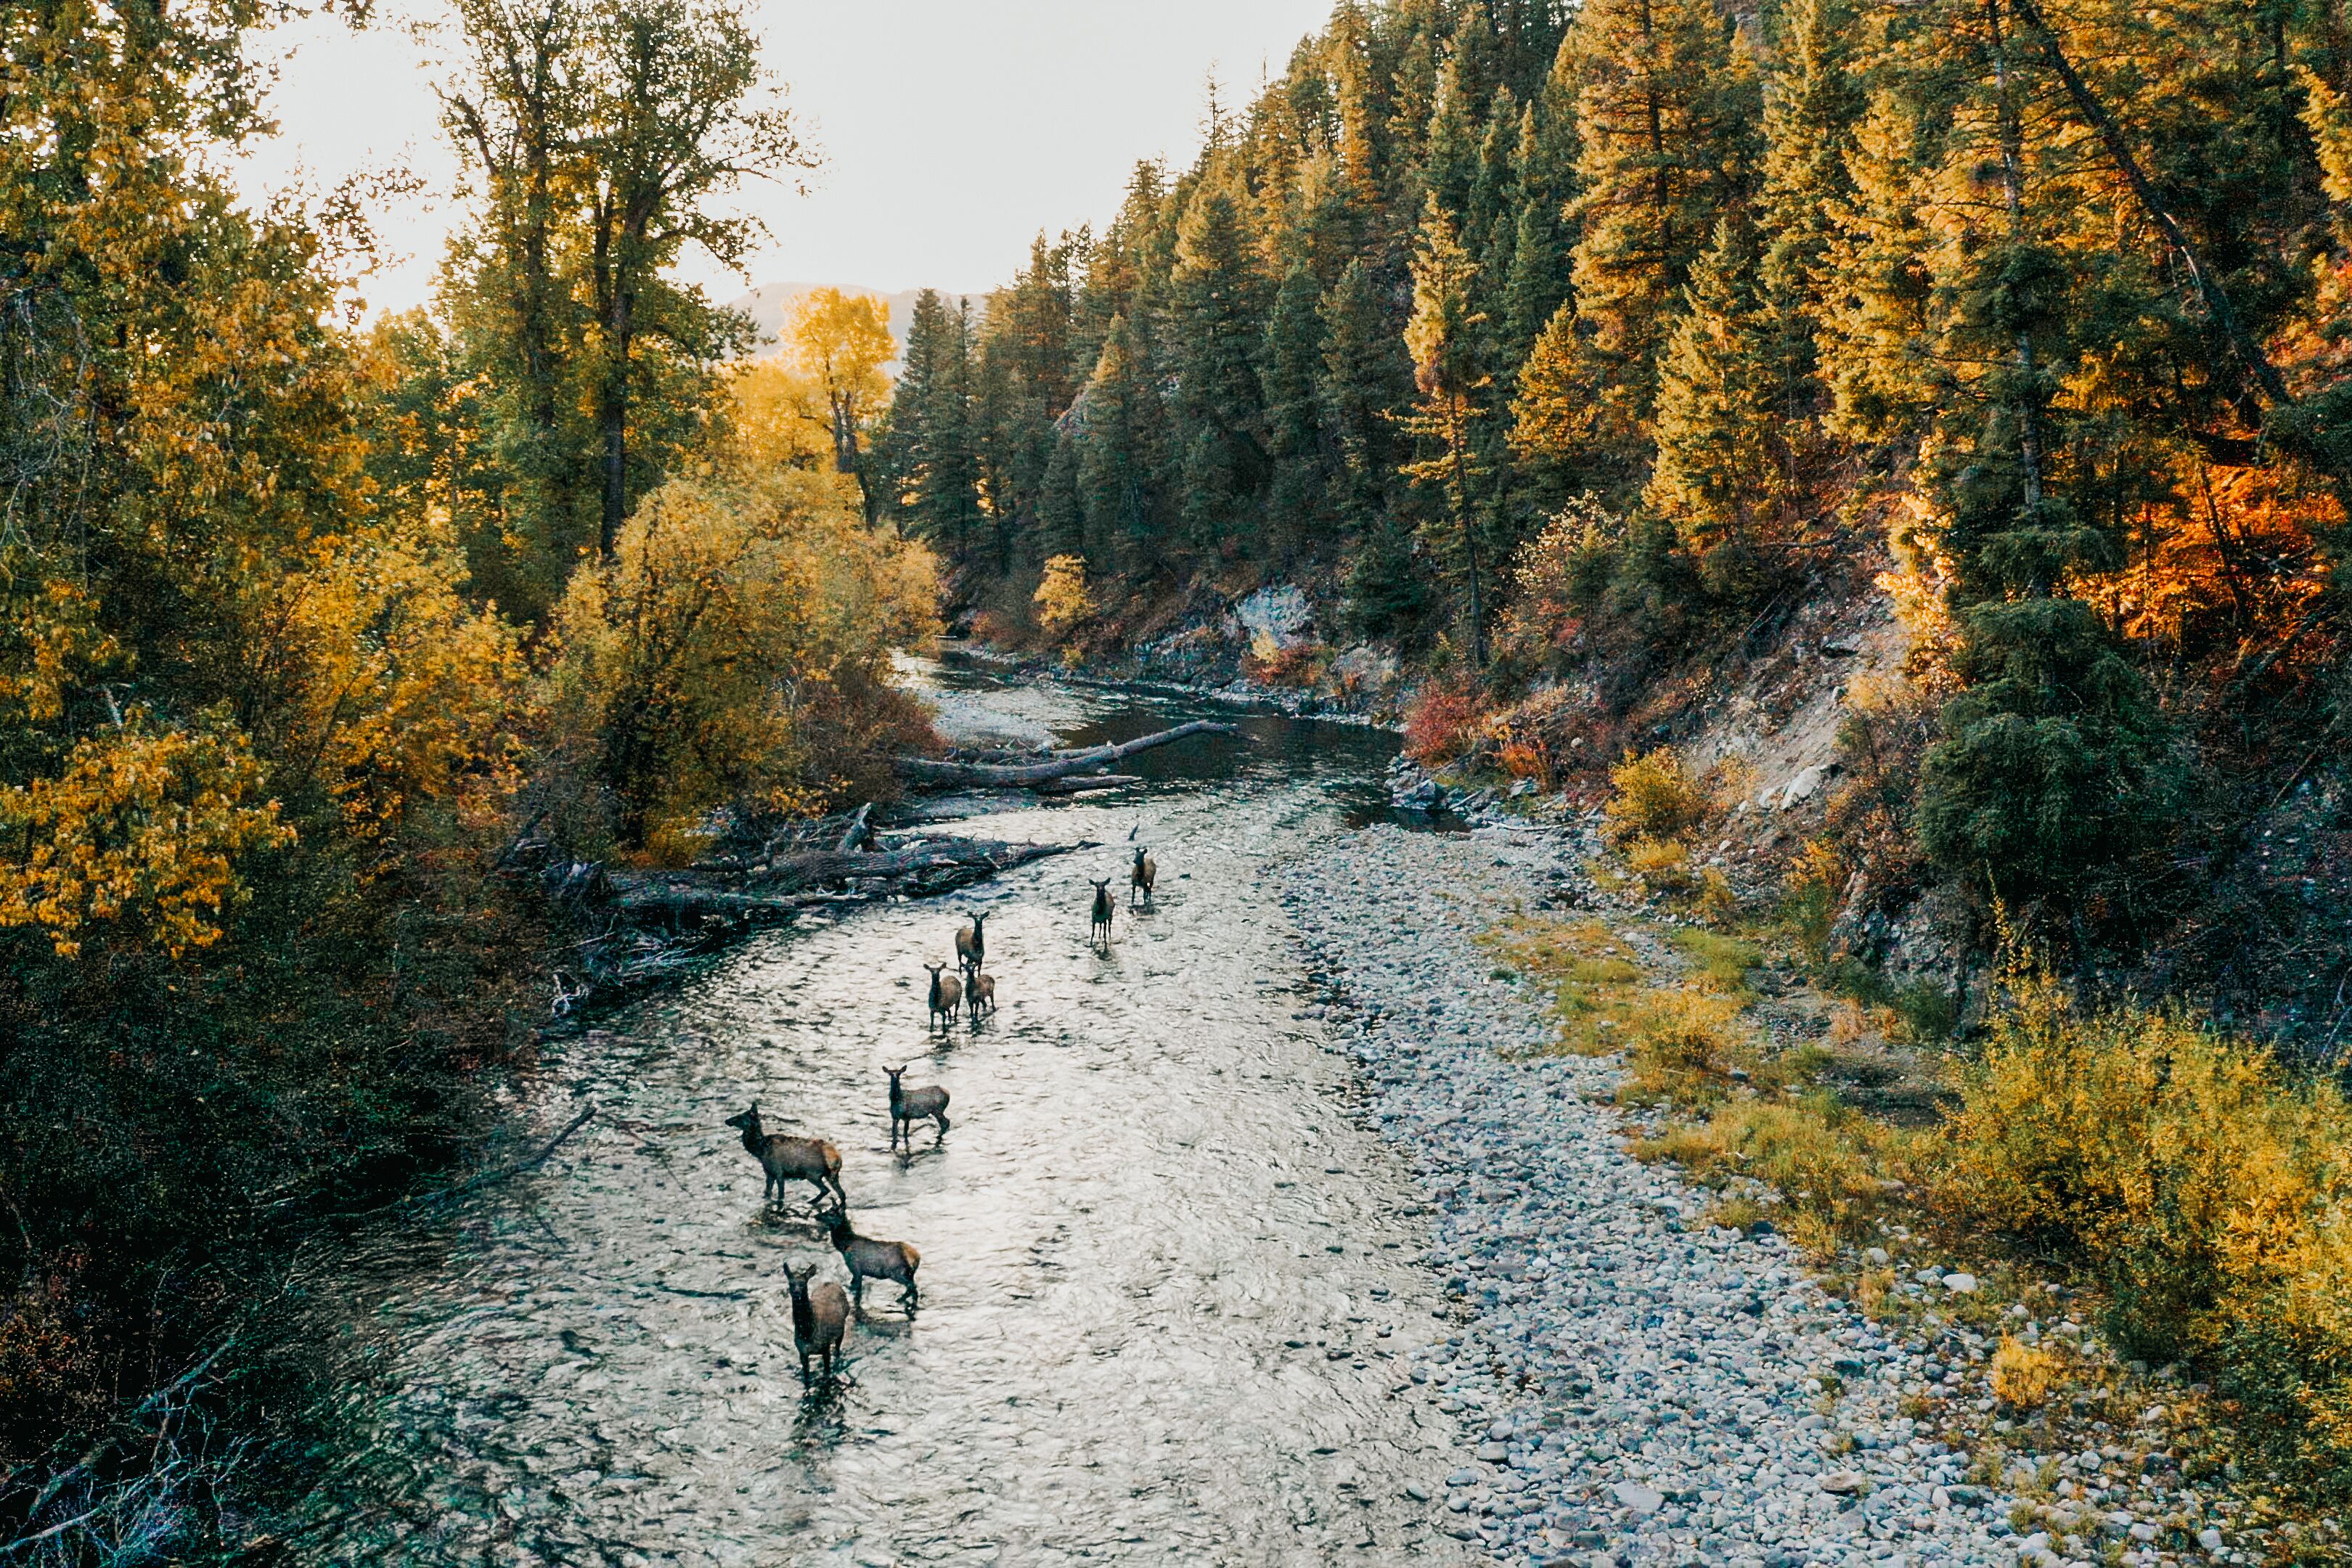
(1168, 1278)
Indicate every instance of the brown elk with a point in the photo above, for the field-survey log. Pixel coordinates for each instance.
(910, 1105)
(972, 943)
(947, 993)
(1100, 930)
(785, 1159)
(982, 995)
(871, 1259)
(1142, 876)
(820, 1321)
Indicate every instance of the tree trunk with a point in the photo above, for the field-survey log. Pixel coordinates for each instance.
(615, 415)
(926, 770)
(1461, 442)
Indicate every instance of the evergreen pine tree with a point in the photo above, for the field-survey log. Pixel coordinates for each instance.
(1810, 120)
(1216, 310)
(1552, 409)
(1870, 345)
(1444, 340)
(1538, 280)
(1495, 193)
(1366, 380)
(1449, 160)
(1298, 499)
(2056, 758)
(1667, 112)
(1721, 446)
(925, 449)
(1120, 478)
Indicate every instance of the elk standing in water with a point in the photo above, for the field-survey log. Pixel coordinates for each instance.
(981, 994)
(1103, 906)
(1140, 876)
(947, 992)
(910, 1105)
(820, 1321)
(972, 944)
(871, 1259)
(811, 1160)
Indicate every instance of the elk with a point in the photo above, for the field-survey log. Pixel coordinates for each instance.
(972, 943)
(871, 1259)
(811, 1160)
(1140, 876)
(909, 1106)
(1103, 906)
(982, 995)
(820, 1321)
(946, 991)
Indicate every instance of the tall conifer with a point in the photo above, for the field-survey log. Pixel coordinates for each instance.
(1218, 314)
(1666, 111)
(1721, 445)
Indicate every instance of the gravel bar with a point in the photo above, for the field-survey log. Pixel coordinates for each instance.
(1630, 1384)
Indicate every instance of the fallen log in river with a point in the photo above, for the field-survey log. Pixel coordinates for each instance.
(1060, 765)
(777, 888)
(656, 927)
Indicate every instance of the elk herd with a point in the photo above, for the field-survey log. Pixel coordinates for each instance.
(821, 1311)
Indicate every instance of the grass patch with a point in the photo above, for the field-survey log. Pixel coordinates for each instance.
(1723, 961)
(1831, 1164)
(1597, 985)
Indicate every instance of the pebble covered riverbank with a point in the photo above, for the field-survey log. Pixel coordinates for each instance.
(1633, 1385)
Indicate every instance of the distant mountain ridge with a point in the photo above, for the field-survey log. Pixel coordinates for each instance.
(768, 303)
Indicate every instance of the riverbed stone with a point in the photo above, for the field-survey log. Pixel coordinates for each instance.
(1613, 1358)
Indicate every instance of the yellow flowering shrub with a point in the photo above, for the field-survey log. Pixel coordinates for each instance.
(1062, 600)
(141, 830)
(736, 649)
(1653, 795)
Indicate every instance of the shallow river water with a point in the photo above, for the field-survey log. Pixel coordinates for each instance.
(1161, 1262)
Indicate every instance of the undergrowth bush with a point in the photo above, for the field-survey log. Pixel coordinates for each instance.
(1662, 864)
(1685, 1046)
(2023, 1375)
(1654, 796)
(1444, 723)
(2209, 1190)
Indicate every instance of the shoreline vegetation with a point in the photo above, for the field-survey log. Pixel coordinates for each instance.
(2175, 1193)
(1939, 406)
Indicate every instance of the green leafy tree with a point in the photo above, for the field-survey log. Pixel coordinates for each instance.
(679, 114)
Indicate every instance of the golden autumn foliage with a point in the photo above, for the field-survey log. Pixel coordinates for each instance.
(402, 692)
(141, 831)
(735, 650)
(2209, 1188)
(1062, 599)
(777, 420)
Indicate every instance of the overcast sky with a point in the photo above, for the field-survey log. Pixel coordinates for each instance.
(952, 133)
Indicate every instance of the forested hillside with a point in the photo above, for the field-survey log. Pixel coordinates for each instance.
(1572, 351)
(304, 624)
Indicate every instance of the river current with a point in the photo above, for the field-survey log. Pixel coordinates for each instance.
(1168, 1280)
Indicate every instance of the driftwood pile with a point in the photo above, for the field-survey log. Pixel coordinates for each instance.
(647, 928)
(1056, 773)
